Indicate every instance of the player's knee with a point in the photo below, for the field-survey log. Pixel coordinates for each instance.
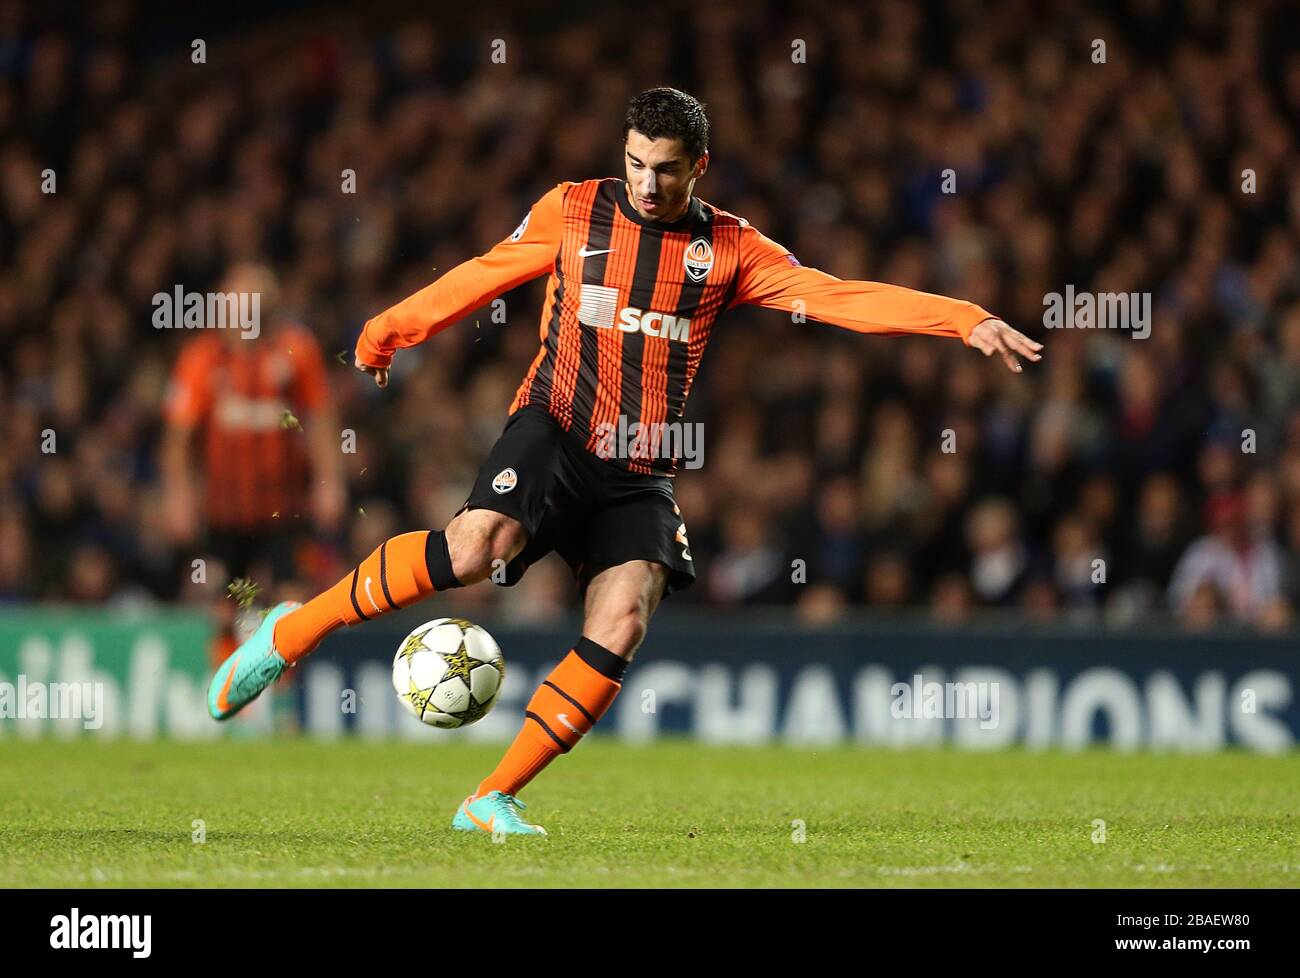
(480, 542)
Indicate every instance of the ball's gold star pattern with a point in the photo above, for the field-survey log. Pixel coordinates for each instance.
(473, 712)
(419, 697)
(458, 664)
(414, 642)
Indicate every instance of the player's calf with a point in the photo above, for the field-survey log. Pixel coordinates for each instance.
(621, 633)
(563, 709)
(401, 571)
(480, 541)
(619, 603)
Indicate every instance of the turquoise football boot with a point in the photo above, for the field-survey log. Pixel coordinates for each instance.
(249, 669)
(494, 812)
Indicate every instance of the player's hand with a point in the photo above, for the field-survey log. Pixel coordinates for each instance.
(379, 373)
(994, 336)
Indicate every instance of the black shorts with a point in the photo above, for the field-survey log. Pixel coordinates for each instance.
(587, 510)
(241, 551)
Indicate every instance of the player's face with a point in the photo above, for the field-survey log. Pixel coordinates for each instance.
(660, 175)
(247, 280)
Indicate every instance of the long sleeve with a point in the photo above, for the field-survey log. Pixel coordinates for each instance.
(771, 277)
(527, 253)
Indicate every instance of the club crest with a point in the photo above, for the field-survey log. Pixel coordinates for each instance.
(698, 259)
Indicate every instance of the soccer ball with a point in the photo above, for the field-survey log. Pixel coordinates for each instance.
(448, 672)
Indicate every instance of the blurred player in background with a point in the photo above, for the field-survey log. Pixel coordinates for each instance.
(251, 458)
(639, 269)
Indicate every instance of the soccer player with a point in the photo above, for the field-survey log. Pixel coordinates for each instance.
(226, 403)
(639, 271)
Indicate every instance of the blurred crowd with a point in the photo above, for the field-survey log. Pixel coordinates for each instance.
(1120, 480)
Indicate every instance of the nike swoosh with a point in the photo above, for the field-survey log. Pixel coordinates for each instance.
(486, 828)
(372, 598)
(564, 719)
(223, 704)
(584, 253)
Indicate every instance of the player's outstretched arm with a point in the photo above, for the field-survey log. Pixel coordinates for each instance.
(522, 256)
(771, 277)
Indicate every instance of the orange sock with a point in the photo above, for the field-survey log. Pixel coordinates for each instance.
(566, 705)
(403, 569)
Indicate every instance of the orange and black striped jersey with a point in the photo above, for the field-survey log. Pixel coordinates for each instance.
(630, 304)
(234, 396)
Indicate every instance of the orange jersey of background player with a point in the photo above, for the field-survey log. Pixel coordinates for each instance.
(234, 396)
(630, 304)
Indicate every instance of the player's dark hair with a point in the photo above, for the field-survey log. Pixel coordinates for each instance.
(666, 113)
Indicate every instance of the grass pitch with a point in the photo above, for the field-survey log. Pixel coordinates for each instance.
(301, 813)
